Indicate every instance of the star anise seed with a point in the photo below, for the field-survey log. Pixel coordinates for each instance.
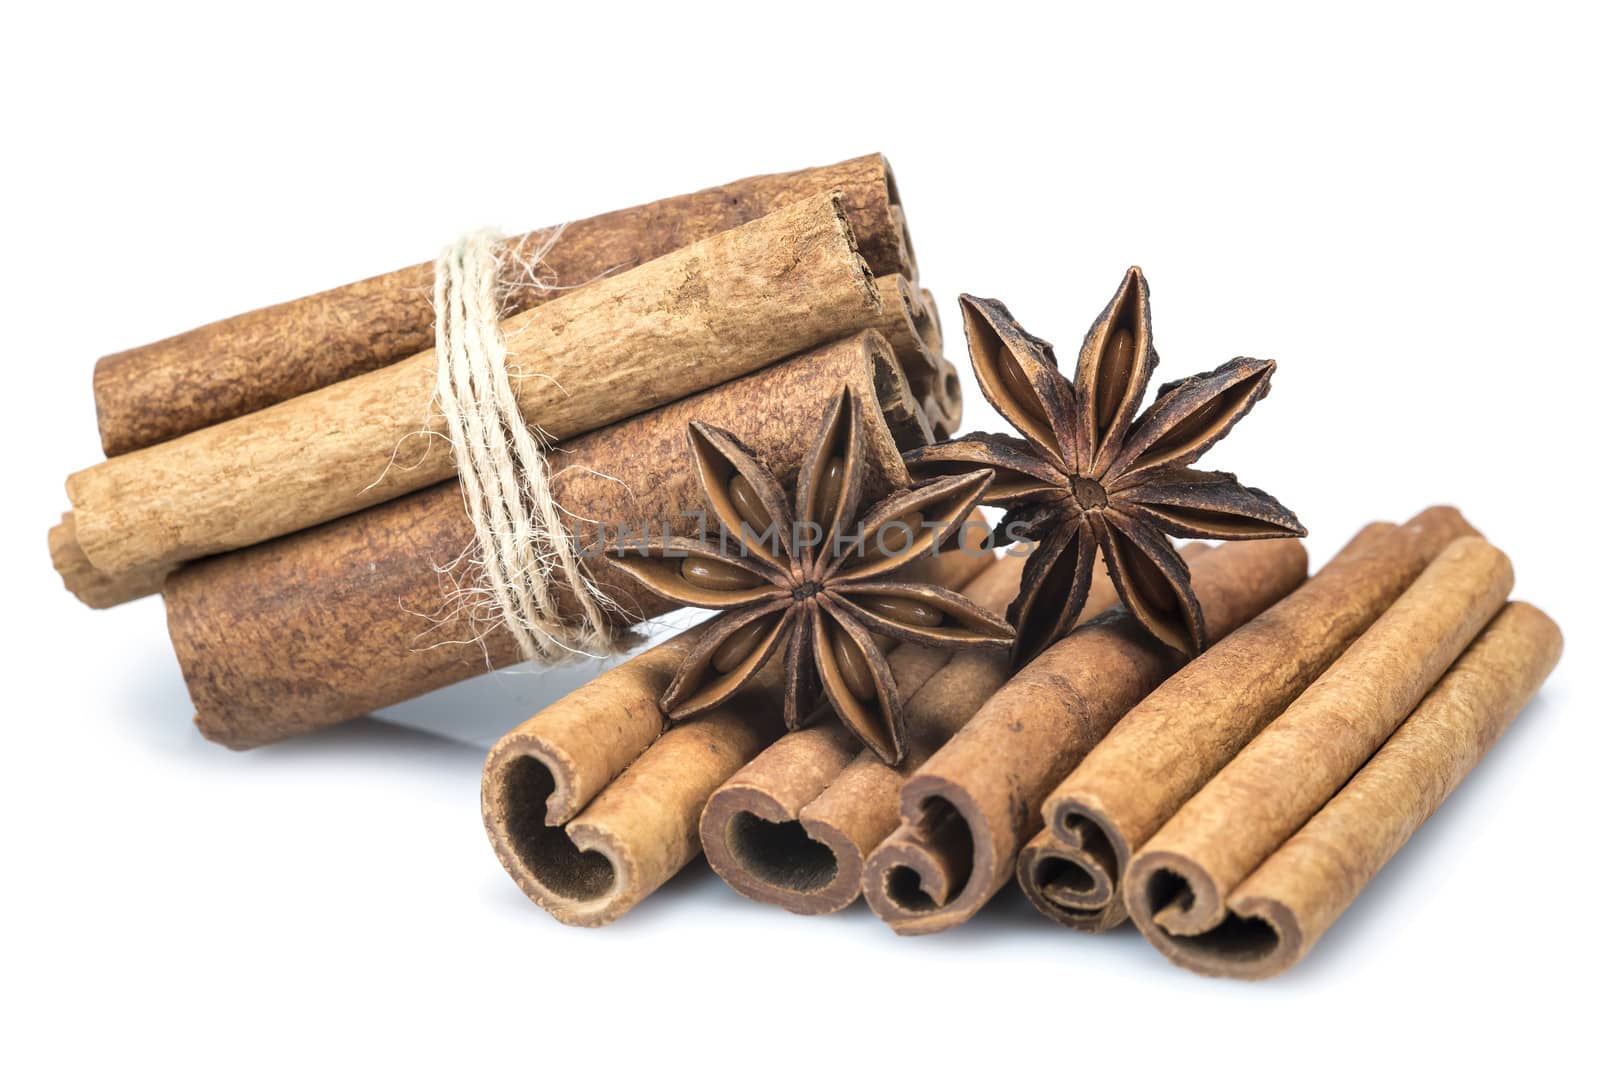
(1090, 476)
(812, 581)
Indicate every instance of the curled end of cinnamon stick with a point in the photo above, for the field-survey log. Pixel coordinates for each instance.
(920, 880)
(754, 835)
(1070, 871)
(1176, 904)
(776, 857)
(89, 584)
(523, 787)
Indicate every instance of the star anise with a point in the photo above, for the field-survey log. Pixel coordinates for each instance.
(812, 578)
(1088, 477)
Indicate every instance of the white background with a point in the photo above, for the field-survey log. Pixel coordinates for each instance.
(1396, 204)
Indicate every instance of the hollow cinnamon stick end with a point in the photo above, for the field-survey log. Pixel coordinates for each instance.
(753, 837)
(1069, 871)
(939, 867)
(522, 782)
(769, 856)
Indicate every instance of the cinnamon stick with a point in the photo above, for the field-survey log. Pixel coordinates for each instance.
(89, 584)
(240, 365)
(1287, 904)
(337, 621)
(793, 828)
(540, 775)
(909, 322)
(692, 319)
(751, 825)
(1181, 884)
(968, 810)
(1180, 736)
(641, 829)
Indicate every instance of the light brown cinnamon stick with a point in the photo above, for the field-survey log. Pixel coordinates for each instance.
(643, 830)
(1181, 883)
(751, 829)
(692, 319)
(909, 322)
(334, 622)
(793, 828)
(911, 325)
(94, 587)
(968, 810)
(249, 362)
(1180, 736)
(1287, 904)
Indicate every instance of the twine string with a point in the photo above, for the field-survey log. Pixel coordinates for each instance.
(522, 545)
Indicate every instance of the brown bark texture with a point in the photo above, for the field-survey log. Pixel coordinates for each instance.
(334, 622)
(754, 827)
(89, 584)
(910, 323)
(967, 811)
(589, 863)
(795, 826)
(1305, 886)
(1178, 738)
(690, 320)
(243, 364)
(643, 826)
(1182, 885)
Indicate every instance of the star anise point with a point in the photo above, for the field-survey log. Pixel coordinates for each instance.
(1092, 476)
(831, 602)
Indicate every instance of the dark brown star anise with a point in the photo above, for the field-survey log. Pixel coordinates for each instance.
(1088, 477)
(813, 578)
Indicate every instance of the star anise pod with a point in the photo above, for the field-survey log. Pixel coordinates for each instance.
(1089, 477)
(812, 578)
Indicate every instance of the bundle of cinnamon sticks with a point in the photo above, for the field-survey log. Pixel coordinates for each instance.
(279, 477)
(1235, 804)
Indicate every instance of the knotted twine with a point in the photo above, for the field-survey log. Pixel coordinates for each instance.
(521, 543)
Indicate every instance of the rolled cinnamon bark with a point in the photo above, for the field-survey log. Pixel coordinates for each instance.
(968, 810)
(1180, 736)
(644, 829)
(910, 324)
(90, 585)
(1181, 883)
(794, 827)
(1279, 912)
(240, 365)
(335, 622)
(752, 830)
(641, 829)
(944, 413)
(687, 321)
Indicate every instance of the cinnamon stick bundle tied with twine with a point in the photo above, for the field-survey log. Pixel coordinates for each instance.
(687, 321)
(240, 365)
(334, 622)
